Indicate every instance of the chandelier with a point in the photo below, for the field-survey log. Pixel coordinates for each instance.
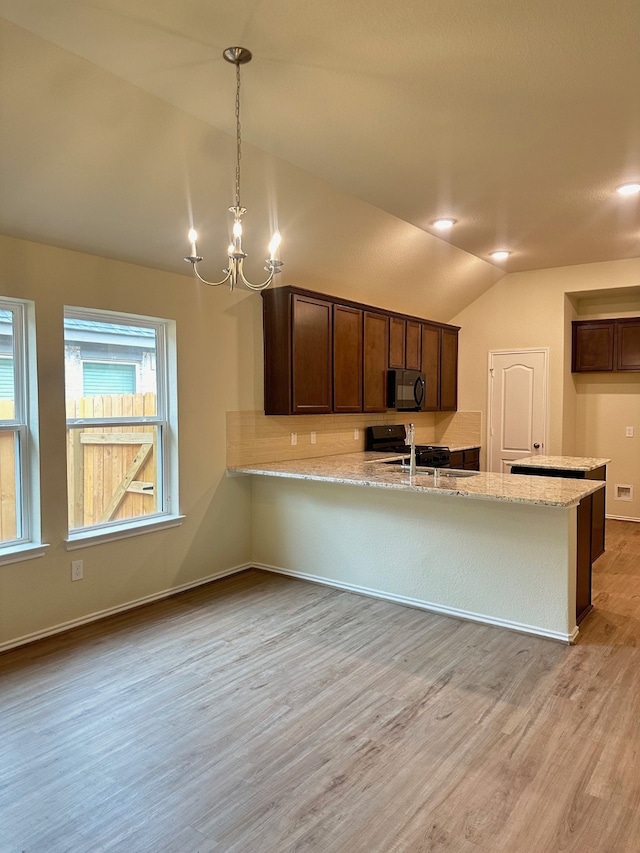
(234, 273)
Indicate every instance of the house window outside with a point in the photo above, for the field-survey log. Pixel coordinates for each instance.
(121, 420)
(19, 487)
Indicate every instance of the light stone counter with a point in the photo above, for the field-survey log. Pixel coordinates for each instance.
(566, 463)
(368, 469)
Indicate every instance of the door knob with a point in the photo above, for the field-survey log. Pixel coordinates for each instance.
(536, 446)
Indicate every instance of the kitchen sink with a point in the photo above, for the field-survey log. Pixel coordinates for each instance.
(443, 473)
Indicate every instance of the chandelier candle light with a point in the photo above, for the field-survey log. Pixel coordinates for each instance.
(234, 273)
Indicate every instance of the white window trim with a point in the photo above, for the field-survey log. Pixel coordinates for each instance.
(25, 423)
(166, 420)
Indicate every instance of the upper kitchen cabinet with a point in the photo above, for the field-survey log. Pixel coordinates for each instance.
(606, 345)
(323, 354)
(347, 358)
(593, 345)
(628, 344)
(298, 334)
(440, 367)
(376, 349)
(449, 370)
(413, 346)
(397, 338)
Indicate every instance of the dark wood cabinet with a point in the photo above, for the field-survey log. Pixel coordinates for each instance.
(311, 377)
(375, 357)
(606, 345)
(593, 346)
(413, 346)
(431, 366)
(466, 460)
(449, 370)
(397, 336)
(628, 344)
(323, 354)
(347, 358)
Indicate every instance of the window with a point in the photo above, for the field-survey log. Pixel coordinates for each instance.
(121, 422)
(19, 487)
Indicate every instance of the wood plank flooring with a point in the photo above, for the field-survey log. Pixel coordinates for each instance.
(262, 714)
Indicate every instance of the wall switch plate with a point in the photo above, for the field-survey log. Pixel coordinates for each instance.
(294, 439)
(313, 436)
(77, 570)
(629, 432)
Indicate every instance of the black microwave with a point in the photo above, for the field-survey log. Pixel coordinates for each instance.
(405, 390)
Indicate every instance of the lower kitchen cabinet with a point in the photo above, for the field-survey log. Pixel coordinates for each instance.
(466, 460)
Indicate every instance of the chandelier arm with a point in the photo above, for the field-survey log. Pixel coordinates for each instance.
(211, 283)
(251, 286)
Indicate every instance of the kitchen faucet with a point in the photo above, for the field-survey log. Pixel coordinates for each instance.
(412, 446)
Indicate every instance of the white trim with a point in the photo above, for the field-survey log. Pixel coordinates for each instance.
(456, 613)
(84, 538)
(622, 518)
(18, 553)
(547, 414)
(121, 608)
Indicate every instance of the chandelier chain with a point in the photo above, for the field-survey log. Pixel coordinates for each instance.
(238, 135)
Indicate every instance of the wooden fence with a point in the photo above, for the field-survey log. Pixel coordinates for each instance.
(111, 471)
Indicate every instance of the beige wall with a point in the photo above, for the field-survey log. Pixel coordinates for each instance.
(587, 415)
(218, 351)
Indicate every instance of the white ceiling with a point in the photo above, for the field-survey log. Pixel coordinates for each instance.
(517, 117)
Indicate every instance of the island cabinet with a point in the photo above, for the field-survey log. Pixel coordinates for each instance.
(606, 345)
(323, 354)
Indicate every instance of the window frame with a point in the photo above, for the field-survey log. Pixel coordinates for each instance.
(24, 426)
(165, 421)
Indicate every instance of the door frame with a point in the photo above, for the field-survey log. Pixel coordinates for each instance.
(545, 393)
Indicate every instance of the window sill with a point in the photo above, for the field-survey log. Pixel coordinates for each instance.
(86, 538)
(18, 553)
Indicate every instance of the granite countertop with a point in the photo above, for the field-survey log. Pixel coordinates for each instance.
(367, 469)
(566, 463)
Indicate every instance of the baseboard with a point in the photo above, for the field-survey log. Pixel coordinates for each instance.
(454, 612)
(121, 608)
(622, 518)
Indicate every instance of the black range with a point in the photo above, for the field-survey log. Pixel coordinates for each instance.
(392, 439)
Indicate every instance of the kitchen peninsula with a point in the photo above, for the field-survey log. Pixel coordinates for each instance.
(492, 548)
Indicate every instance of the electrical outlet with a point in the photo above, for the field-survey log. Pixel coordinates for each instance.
(356, 433)
(313, 436)
(629, 432)
(294, 439)
(77, 570)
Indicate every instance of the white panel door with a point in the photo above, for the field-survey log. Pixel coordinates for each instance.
(517, 406)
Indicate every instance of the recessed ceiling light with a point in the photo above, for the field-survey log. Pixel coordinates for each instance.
(500, 255)
(443, 224)
(628, 189)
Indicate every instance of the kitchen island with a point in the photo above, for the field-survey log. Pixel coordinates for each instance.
(493, 548)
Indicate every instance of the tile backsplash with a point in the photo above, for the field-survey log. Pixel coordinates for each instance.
(253, 436)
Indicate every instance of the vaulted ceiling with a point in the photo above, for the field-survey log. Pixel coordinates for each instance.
(517, 118)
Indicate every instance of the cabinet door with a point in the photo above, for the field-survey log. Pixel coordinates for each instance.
(397, 334)
(347, 359)
(413, 346)
(431, 367)
(628, 344)
(376, 355)
(449, 370)
(457, 460)
(472, 459)
(593, 346)
(311, 355)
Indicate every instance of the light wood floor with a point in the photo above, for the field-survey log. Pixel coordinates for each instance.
(262, 714)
